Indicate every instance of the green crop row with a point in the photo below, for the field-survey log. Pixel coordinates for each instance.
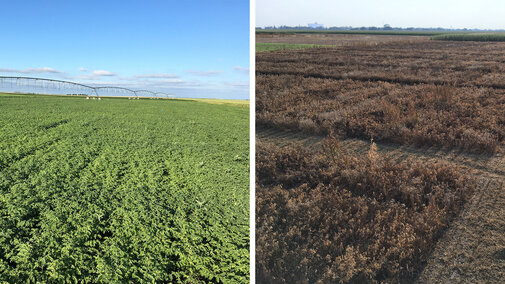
(471, 37)
(123, 191)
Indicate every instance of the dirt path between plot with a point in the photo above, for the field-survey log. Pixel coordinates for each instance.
(472, 250)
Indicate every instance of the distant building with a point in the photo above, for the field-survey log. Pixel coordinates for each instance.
(315, 25)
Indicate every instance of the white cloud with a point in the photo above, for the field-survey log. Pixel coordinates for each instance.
(31, 70)
(169, 81)
(8, 70)
(156, 76)
(238, 84)
(96, 74)
(156, 81)
(205, 73)
(241, 69)
(42, 70)
(83, 69)
(103, 73)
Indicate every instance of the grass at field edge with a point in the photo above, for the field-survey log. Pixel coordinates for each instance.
(230, 102)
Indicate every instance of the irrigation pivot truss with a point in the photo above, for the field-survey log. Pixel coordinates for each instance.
(36, 85)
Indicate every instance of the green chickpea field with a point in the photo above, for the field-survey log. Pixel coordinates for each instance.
(123, 190)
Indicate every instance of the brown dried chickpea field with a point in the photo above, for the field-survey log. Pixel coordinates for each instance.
(380, 159)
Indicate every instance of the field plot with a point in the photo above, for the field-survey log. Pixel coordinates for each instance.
(262, 47)
(123, 190)
(337, 208)
(333, 39)
(430, 93)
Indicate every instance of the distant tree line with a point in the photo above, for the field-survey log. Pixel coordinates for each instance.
(386, 27)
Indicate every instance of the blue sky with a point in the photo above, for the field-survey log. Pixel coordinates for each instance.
(483, 14)
(188, 48)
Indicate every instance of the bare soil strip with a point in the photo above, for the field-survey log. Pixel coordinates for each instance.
(472, 250)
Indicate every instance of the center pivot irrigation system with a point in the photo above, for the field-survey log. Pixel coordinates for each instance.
(59, 87)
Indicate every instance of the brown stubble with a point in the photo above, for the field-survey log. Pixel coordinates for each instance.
(333, 217)
(426, 105)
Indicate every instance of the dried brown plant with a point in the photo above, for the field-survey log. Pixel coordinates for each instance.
(349, 219)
